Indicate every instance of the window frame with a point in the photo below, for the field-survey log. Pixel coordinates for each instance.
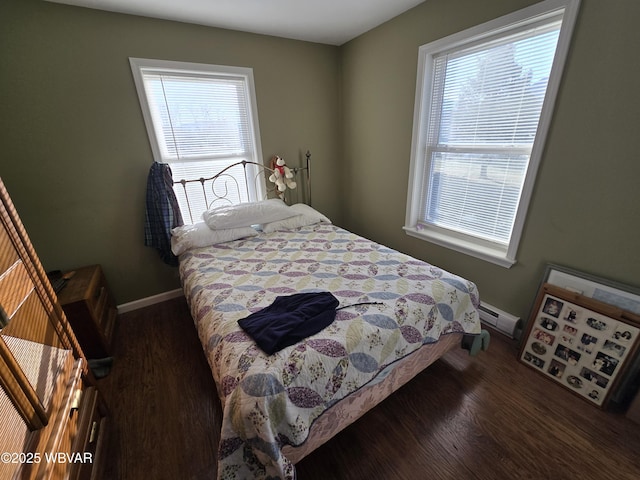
(255, 190)
(490, 251)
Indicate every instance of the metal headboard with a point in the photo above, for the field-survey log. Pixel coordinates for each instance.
(223, 187)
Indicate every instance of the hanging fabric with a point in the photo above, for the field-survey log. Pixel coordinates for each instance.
(162, 212)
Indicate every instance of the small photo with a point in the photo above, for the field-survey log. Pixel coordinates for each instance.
(594, 394)
(567, 339)
(538, 348)
(594, 377)
(556, 368)
(614, 348)
(543, 336)
(549, 324)
(569, 329)
(565, 353)
(622, 335)
(605, 364)
(552, 307)
(596, 324)
(571, 316)
(588, 339)
(538, 362)
(574, 381)
(588, 349)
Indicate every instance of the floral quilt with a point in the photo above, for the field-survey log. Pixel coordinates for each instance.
(272, 400)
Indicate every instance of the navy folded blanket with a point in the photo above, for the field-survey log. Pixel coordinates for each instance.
(289, 319)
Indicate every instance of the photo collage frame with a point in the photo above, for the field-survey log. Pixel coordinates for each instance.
(581, 343)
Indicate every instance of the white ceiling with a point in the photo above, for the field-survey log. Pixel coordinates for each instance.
(333, 22)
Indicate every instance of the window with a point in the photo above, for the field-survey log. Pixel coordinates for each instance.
(483, 106)
(200, 119)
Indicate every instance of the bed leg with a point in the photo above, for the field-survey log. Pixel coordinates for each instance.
(475, 343)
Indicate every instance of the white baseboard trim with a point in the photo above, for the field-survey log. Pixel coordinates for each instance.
(152, 300)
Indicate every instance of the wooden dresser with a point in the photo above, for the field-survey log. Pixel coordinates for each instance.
(51, 410)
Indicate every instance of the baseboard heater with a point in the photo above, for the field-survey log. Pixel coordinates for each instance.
(502, 321)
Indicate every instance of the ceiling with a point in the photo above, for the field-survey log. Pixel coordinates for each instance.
(333, 22)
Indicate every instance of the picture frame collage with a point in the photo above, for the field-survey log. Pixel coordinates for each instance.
(581, 343)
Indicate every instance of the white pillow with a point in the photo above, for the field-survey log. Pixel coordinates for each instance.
(247, 214)
(200, 235)
(305, 215)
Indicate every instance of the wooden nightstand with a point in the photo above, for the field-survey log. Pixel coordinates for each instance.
(90, 309)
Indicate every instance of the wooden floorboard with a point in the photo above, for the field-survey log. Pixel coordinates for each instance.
(484, 417)
(164, 408)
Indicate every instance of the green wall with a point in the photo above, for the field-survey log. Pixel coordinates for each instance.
(585, 211)
(75, 153)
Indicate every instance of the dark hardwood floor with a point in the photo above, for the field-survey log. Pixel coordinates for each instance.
(485, 417)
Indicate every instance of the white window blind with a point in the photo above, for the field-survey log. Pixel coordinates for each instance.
(200, 120)
(482, 124)
(196, 118)
(477, 132)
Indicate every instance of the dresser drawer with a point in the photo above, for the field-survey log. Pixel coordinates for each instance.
(50, 448)
(90, 438)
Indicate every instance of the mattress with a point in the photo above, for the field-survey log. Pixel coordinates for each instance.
(271, 403)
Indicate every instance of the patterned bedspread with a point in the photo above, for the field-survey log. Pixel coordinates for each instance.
(270, 401)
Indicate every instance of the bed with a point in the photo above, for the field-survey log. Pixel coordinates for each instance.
(400, 315)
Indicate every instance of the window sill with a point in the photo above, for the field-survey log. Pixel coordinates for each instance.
(483, 252)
